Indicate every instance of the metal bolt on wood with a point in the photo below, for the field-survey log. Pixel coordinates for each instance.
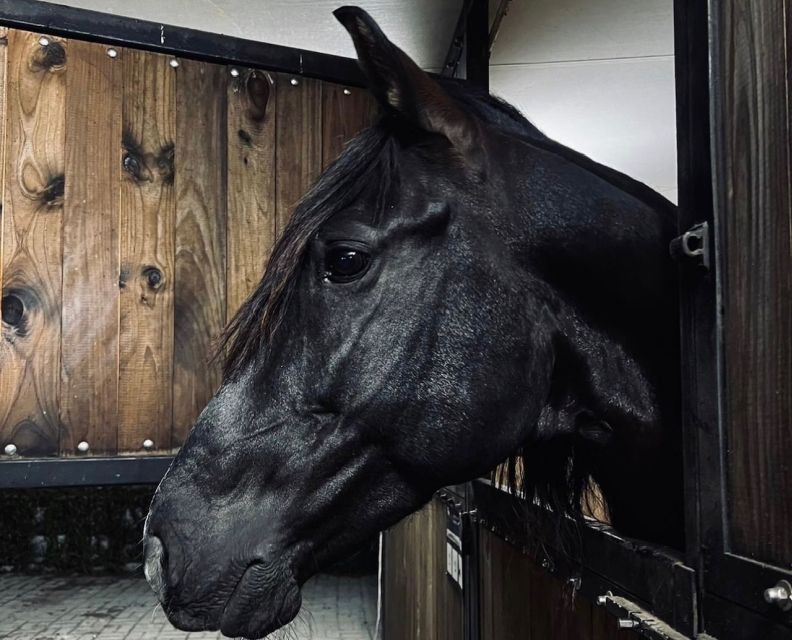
(626, 623)
(148, 444)
(113, 53)
(347, 92)
(44, 41)
(780, 594)
(174, 63)
(10, 449)
(294, 82)
(83, 446)
(234, 72)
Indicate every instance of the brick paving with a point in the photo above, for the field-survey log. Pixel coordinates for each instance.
(105, 608)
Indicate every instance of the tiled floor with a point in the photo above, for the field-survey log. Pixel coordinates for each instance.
(88, 608)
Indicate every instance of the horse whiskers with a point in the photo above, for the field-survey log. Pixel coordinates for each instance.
(154, 611)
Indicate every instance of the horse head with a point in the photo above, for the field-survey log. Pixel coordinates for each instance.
(454, 288)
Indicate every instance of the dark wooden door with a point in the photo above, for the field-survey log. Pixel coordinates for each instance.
(737, 318)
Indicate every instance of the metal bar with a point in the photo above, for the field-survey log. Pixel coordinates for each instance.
(500, 14)
(82, 472)
(81, 24)
(472, 570)
(477, 44)
(457, 45)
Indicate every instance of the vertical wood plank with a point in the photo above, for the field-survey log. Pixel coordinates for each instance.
(755, 216)
(346, 111)
(419, 600)
(200, 270)
(147, 251)
(3, 97)
(32, 259)
(299, 139)
(251, 182)
(89, 375)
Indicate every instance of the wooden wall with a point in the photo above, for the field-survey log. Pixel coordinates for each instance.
(518, 600)
(755, 214)
(522, 601)
(141, 196)
(420, 601)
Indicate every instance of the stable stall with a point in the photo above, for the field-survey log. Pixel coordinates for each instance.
(147, 170)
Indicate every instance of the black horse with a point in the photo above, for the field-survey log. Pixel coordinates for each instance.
(454, 289)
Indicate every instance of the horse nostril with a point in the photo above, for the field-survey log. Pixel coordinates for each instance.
(154, 563)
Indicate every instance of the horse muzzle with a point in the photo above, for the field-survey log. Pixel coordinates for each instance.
(263, 598)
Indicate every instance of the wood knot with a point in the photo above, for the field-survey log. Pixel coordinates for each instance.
(131, 164)
(165, 162)
(13, 310)
(258, 92)
(133, 161)
(153, 277)
(245, 137)
(51, 196)
(50, 57)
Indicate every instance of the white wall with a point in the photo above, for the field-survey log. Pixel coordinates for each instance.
(598, 76)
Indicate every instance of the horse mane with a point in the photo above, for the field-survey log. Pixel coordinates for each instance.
(556, 474)
(495, 111)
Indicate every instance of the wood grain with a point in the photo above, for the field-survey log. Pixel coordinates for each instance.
(346, 111)
(31, 252)
(755, 214)
(420, 601)
(147, 251)
(89, 374)
(299, 138)
(3, 97)
(200, 274)
(522, 601)
(251, 182)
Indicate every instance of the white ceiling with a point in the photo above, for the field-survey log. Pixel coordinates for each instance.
(535, 31)
(423, 28)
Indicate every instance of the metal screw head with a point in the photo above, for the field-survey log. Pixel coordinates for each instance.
(148, 444)
(294, 82)
(174, 63)
(347, 92)
(10, 449)
(83, 446)
(44, 41)
(234, 72)
(781, 595)
(112, 53)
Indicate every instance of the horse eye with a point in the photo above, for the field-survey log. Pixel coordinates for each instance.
(344, 264)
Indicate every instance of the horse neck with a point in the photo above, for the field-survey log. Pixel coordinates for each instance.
(602, 256)
(601, 249)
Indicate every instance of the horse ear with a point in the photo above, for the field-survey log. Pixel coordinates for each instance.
(401, 87)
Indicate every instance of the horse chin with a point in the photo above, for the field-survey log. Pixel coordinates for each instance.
(266, 598)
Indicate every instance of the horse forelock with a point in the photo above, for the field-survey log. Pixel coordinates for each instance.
(368, 158)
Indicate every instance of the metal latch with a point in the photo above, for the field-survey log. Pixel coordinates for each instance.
(694, 245)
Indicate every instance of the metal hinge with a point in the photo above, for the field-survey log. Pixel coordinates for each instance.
(694, 245)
